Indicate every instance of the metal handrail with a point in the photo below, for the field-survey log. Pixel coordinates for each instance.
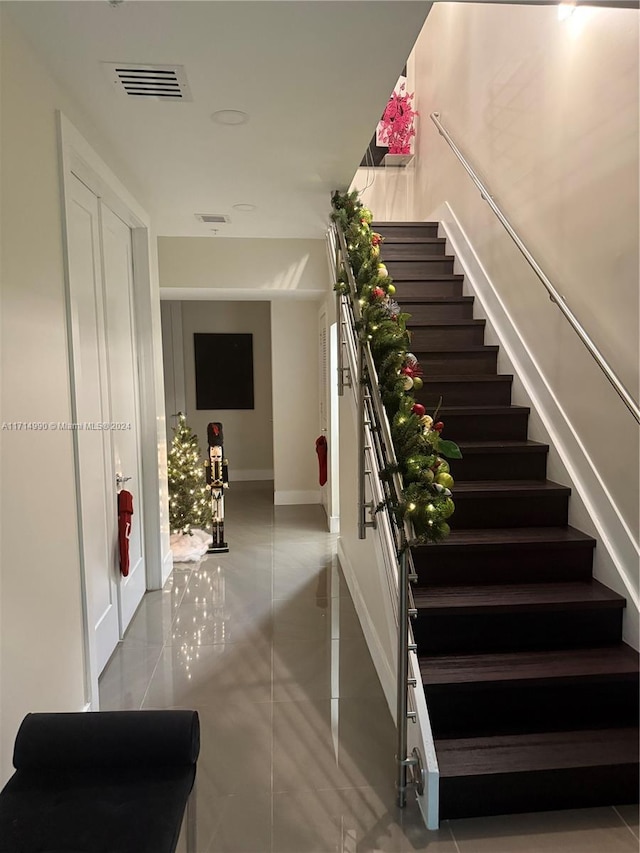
(374, 428)
(556, 297)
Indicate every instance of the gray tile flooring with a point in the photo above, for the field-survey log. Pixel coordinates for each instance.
(297, 742)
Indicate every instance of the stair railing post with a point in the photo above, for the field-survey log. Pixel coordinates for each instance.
(403, 676)
(340, 353)
(362, 505)
(375, 454)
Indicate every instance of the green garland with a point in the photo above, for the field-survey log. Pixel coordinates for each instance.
(419, 448)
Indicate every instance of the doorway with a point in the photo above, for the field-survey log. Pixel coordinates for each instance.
(109, 301)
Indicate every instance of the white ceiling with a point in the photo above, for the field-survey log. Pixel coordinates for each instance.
(313, 76)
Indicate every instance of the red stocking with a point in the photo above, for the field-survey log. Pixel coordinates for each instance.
(321, 450)
(125, 511)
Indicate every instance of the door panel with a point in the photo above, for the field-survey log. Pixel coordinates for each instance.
(123, 397)
(91, 407)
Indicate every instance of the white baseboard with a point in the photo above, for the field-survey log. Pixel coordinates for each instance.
(285, 498)
(167, 566)
(242, 475)
(380, 661)
(617, 554)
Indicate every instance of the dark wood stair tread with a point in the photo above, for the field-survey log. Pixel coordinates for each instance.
(426, 350)
(516, 488)
(392, 239)
(434, 300)
(468, 377)
(602, 663)
(484, 410)
(436, 276)
(530, 537)
(534, 752)
(401, 224)
(515, 597)
(419, 260)
(427, 299)
(428, 324)
(501, 446)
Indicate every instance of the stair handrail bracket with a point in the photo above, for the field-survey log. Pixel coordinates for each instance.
(554, 294)
(377, 454)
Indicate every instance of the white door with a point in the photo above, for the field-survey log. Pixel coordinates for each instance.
(105, 393)
(123, 400)
(91, 407)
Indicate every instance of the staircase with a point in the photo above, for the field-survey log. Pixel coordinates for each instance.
(532, 694)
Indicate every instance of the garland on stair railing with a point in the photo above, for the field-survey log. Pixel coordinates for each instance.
(418, 444)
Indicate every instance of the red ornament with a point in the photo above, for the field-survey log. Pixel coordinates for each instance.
(418, 409)
(439, 426)
(378, 293)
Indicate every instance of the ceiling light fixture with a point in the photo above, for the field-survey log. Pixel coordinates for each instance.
(230, 117)
(566, 10)
(245, 208)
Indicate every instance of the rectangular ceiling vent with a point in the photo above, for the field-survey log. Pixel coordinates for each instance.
(213, 218)
(160, 82)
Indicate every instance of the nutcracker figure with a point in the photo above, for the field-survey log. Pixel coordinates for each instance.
(218, 481)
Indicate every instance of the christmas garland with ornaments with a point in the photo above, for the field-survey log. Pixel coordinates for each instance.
(420, 450)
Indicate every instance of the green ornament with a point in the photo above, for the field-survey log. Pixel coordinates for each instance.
(448, 508)
(445, 480)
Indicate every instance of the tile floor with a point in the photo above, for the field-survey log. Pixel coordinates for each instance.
(297, 741)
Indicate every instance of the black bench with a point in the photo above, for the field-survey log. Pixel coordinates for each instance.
(102, 782)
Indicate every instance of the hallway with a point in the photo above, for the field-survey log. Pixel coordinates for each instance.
(297, 741)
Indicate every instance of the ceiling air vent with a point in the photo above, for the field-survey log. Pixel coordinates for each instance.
(212, 218)
(160, 82)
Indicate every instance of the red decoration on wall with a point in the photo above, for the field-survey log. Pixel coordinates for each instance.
(321, 450)
(396, 127)
(125, 511)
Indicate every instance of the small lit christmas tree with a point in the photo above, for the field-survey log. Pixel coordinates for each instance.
(189, 501)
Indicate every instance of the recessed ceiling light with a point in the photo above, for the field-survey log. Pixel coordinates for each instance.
(245, 208)
(230, 117)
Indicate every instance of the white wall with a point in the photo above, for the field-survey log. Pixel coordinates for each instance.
(294, 359)
(248, 441)
(41, 662)
(41, 648)
(547, 111)
(362, 559)
(241, 268)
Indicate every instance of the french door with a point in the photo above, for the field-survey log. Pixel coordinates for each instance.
(106, 430)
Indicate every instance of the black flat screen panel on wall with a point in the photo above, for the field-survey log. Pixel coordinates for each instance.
(224, 371)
